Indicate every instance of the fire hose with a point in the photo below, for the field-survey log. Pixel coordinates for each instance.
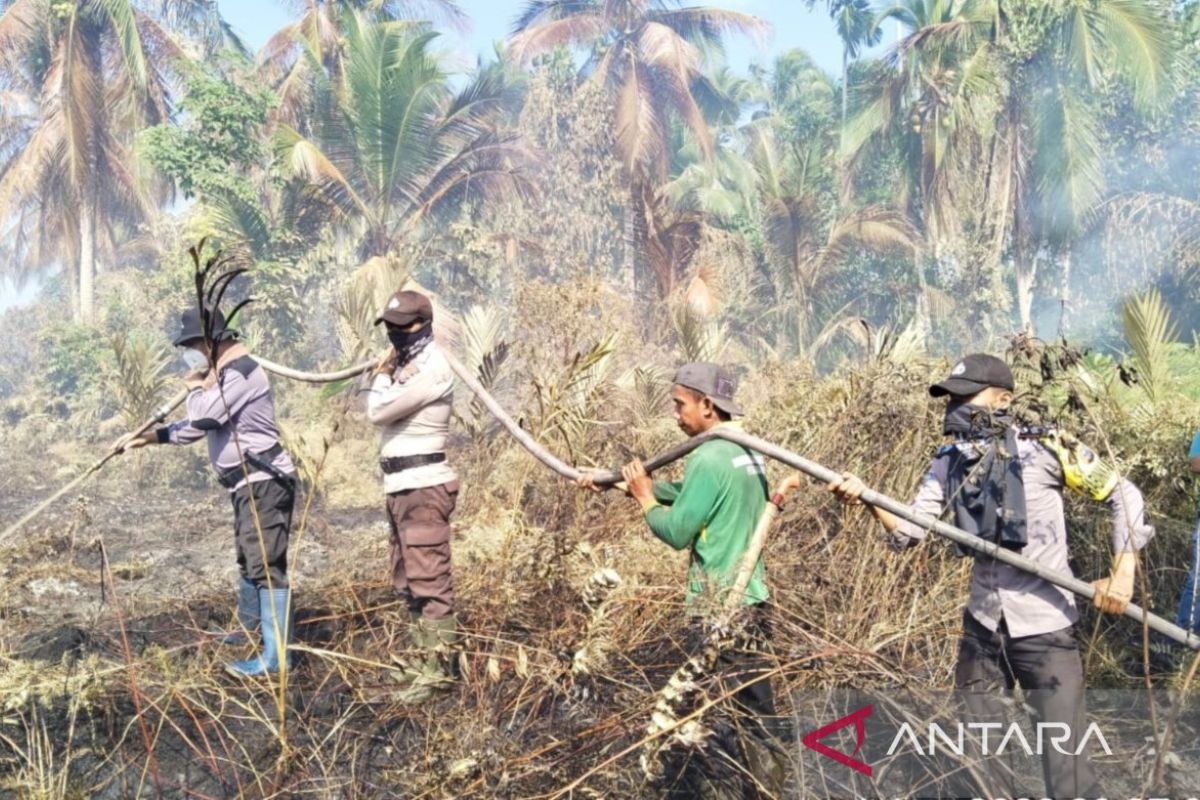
(981, 547)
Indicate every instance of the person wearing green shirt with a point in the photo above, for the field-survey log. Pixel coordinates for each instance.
(713, 512)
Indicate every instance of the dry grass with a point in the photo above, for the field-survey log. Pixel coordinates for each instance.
(558, 676)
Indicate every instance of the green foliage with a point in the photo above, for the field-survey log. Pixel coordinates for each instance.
(218, 141)
(568, 403)
(139, 378)
(1150, 333)
(391, 145)
(73, 359)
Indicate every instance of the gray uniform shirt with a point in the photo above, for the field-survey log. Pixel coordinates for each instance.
(240, 402)
(1027, 603)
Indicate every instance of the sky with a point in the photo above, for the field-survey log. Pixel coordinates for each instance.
(792, 25)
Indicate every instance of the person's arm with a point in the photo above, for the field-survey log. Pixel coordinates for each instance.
(1194, 453)
(680, 524)
(667, 492)
(389, 400)
(901, 533)
(210, 406)
(1130, 533)
(181, 432)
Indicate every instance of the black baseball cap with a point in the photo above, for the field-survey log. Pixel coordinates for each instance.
(191, 327)
(405, 308)
(973, 374)
(713, 381)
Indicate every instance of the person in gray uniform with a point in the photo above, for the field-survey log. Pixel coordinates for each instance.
(1004, 482)
(232, 407)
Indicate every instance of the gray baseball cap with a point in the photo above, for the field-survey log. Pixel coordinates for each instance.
(713, 381)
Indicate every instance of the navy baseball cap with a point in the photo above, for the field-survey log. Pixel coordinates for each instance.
(973, 374)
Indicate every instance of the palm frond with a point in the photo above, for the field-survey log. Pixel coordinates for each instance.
(484, 352)
(140, 380)
(567, 406)
(873, 228)
(1068, 163)
(534, 41)
(1150, 332)
(648, 393)
(640, 134)
(699, 337)
(1138, 42)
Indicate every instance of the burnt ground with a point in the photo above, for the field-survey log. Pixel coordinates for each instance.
(173, 726)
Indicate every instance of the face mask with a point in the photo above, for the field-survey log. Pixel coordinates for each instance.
(403, 340)
(194, 359)
(967, 419)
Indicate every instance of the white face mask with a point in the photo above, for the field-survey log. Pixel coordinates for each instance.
(194, 358)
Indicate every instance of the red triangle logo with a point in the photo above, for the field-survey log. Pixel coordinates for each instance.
(858, 719)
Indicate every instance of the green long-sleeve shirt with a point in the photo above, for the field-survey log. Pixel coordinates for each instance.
(714, 511)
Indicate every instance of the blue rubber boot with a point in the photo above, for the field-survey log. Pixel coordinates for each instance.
(275, 611)
(247, 615)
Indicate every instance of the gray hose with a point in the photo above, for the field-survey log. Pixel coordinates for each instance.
(314, 377)
(810, 468)
(825, 475)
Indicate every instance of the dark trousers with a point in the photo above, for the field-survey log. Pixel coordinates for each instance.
(744, 758)
(260, 532)
(1048, 669)
(420, 548)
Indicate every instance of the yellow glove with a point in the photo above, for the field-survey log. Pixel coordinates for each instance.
(1083, 470)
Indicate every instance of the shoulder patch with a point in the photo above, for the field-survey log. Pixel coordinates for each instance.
(243, 366)
(751, 462)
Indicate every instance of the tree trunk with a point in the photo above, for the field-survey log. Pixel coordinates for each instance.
(1025, 264)
(845, 87)
(629, 267)
(1065, 293)
(85, 311)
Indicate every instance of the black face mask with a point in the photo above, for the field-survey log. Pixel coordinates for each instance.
(971, 421)
(402, 339)
(409, 343)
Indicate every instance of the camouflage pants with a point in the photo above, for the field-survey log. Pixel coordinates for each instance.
(744, 758)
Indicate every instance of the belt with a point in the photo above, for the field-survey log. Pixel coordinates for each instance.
(391, 466)
(230, 478)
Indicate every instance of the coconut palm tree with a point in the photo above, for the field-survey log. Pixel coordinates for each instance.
(998, 114)
(934, 98)
(648, 53)
(1050, 135)
(807, 238)
(201, 25)
(392, 146)
(80, 79)
(286, 57)
(858, 27)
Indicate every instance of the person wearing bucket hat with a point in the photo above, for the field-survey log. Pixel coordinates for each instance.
(1005, 482)
(411, 399)
(712, 513)
(233, 408)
